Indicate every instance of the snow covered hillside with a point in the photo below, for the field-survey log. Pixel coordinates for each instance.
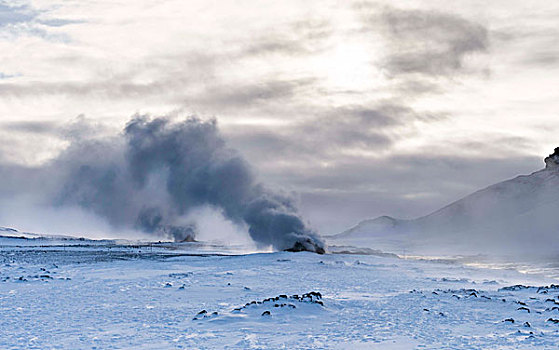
(515, 216)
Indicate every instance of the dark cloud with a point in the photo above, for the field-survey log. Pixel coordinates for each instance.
(246, 95)
(425, 50)
(297, 38)
(113, 88)
(318, 135)
(304, 142)
(430, 43)
(35, 127)
(351, 126)
(417, 87)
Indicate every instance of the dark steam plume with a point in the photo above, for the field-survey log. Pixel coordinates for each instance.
(157, 171)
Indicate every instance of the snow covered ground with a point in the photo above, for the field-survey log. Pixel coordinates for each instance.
(78, 294)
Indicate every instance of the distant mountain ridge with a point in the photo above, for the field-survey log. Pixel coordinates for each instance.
(377, 226)
(520, 213)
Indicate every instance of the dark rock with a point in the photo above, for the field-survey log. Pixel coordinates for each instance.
(201, 314)
(552, 161)
(513, 288)
(307, 245)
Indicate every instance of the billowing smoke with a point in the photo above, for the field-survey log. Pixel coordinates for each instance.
(156, 172)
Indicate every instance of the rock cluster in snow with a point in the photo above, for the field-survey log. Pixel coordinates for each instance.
(281, 301)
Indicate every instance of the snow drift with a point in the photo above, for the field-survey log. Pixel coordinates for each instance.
(156, 172)
(515, 216)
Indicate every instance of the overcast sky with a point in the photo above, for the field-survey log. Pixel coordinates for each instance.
(363, 108)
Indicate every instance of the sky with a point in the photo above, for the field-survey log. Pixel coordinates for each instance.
(358, 108)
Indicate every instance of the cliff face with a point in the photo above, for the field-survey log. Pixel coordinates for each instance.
(552, 161)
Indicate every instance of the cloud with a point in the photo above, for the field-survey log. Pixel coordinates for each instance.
(323, 134)
(424, 52)
(19, 18)
(34, 127)
(247, 95)
(533, 46)
(13, 14)
(304, 37)
(430, 43)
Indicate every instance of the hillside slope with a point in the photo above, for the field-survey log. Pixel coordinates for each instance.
(516, 215)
